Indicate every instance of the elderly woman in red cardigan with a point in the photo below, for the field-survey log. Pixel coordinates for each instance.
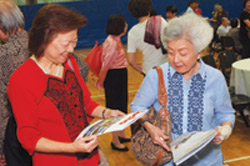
(49, 98)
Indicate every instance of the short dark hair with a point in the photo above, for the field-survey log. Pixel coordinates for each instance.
(139, 8)
(245, 2)
(193, 1)
(172, 9)
(115, 24)
(234, 22)
(49, 21)
(153, 12)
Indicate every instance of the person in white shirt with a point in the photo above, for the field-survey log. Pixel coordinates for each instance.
(224, 27)
(140, 9)
(171, 12)
(192, 5)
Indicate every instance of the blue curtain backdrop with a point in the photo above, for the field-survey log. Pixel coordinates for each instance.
(98, 11)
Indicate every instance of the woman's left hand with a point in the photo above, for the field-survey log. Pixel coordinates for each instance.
(223, 132)
(112, 113)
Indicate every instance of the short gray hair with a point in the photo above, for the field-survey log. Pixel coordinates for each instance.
(11, 17)
(189, 26)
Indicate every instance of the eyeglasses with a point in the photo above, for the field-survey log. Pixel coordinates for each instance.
(72, 43)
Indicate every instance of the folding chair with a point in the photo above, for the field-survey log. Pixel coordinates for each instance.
(209, 60)
(239, 102)
(227, 58)
(227, 43)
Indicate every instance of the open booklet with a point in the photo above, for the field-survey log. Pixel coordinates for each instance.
(109, 125)
(188, 144)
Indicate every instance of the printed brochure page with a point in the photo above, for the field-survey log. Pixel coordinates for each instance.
(188, 144)
(109, 125)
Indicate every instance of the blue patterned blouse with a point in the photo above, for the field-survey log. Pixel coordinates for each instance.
(202, 103)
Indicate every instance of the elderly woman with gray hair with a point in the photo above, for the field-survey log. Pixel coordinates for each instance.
(198, 98)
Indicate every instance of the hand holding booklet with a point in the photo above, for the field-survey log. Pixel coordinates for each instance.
(183, 147)
(113, 124)
(188, 144)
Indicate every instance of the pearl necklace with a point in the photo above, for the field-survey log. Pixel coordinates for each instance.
(58, 66)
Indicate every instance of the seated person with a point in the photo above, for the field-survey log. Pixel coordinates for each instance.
(234, 32)
(224, 27)
(218, 14)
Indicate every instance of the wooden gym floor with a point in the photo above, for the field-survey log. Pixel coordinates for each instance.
(236, 149)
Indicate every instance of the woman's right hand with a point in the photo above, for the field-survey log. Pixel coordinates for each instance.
(157, 135)
(85, 144)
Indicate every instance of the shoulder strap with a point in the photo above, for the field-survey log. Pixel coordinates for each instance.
(162, 93)
(164, 114)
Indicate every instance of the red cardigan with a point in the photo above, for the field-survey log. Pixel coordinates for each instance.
(38, 117)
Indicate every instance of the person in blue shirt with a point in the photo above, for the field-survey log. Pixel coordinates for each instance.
(198, 97)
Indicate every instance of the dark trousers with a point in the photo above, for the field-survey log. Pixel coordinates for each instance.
(116, 89)
(15, 155)
(246, 50)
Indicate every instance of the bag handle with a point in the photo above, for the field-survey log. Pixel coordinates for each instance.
(162, 93)
(164, 114)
